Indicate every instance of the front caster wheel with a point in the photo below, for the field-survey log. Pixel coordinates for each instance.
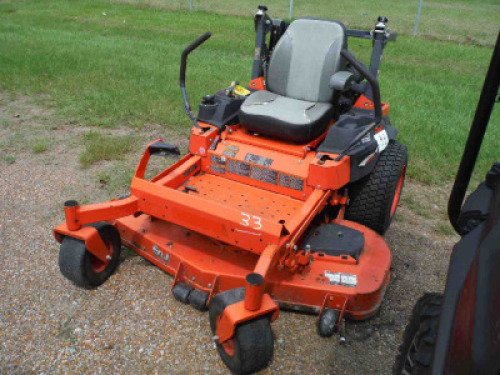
(251, 348)
(327, 324)
(83, 268)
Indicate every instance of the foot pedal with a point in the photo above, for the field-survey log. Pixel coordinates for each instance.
(163, 149)
(188, 188)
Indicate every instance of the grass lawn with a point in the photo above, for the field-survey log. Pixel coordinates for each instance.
(98, 147)
(471, 21)
(112, 64)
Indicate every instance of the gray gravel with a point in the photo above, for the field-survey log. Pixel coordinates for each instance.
(132, 324)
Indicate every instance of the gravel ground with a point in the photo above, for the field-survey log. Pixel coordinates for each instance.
(132, 324)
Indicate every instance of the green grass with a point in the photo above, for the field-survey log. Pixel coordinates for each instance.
(39, 145)
(105, 71)
(122, 68)
(8, 158)
(445, 228)
(470, 21)
(116, 178)
(99, 147)
(415, 205)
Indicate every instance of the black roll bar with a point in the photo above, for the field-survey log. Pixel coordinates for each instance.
(372, 80)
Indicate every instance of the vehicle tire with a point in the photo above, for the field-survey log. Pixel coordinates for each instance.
(83, 268)
(327, 324)
(416, 351)
(373, 199)
(251, 348)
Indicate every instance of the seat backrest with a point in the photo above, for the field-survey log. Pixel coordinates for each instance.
(305, 58)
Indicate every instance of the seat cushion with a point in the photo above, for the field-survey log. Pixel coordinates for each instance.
(305, 58)
(288, 119)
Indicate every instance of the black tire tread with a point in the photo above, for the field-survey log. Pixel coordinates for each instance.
(71, 261)
(74, 259)
(327, 322)
(370, 199)
(422, 329)
(253, 339)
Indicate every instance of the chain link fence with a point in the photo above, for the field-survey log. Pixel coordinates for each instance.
(466, 21)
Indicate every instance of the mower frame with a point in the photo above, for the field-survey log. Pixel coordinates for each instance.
(215, 233)
(158, 206)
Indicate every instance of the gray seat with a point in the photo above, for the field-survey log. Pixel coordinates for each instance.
(297, 105)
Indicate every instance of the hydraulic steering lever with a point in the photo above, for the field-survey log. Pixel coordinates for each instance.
(182, 80)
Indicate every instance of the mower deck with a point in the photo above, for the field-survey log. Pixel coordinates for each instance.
(210, 230)
(211, 266)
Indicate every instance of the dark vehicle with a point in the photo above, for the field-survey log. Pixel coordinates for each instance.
(458, 332)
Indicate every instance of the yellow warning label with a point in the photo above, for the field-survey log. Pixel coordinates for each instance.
(240, 90)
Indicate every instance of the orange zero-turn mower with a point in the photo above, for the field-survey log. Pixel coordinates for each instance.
(280, 203)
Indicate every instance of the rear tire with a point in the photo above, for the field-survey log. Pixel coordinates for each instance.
(251, 348)
(419, 340)
(83, 268)
(373, 199)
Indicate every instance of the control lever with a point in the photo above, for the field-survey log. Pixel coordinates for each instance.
(182, 80)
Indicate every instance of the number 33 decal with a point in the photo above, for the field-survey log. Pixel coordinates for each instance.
(251, 221)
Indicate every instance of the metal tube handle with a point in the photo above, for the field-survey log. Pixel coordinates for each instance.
(187, 51)
(373, 83)
(182, 80)
(376, 99)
